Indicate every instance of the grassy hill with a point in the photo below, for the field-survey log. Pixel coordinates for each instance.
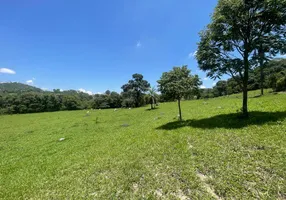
(14, 87)
(142, 154)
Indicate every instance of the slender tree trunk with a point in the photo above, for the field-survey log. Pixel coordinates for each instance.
(261, 56)
(244, 103)
(261, 80)
(180, 112)
(245, 84)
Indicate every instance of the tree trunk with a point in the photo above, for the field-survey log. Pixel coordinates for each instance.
(244, 103)
(153, 102)
(261, 56)
(245, 84)
(180, 112)
(261, 80)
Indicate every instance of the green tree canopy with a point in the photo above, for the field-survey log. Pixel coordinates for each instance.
(178, 83)
(135, 89)
(237, 30)
(152, 95)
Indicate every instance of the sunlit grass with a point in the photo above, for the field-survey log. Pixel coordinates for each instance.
(141, 154)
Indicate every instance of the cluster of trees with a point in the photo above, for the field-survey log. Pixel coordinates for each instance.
(242, 36)
(133, 91)
(21, 98)
(274, 74)
(17, 88)
(178, 84)
(31, 101)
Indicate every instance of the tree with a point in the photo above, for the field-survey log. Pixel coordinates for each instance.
(220, 89)
(275, 71)
(152, 96)
(57, 90)
(115, 100)
(70, 103)
(206, 93)
(237, 30)
(271, 44)
(178, 83)
(135, 89)
(107, 92)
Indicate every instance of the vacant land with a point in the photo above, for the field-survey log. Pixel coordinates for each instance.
(141, 154)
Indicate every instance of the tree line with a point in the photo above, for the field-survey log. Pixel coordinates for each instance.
(274, 77)
(178, 84)
(241, 40)
(21, 98)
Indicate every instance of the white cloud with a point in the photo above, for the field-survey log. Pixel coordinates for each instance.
(283, 56)
(198, 71)
(138, 44)
(203, 87)
(45, 89)
(85, 91)
(193, 54)
(214, 83)
(61, 90)
(7, 71)
(30, 82)
(206, 78)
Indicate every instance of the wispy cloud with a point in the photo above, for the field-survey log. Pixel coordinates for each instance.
(203, 87)
(45, 89)
(214, 83)
(206, 78)
(7, 71)
(138, 44)
(192, 54)
(85, 91)
(30, 82)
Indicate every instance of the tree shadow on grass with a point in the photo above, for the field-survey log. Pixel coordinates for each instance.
(233, 120)
(149, 109)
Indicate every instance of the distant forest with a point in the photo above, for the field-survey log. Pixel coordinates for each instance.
(21, 98)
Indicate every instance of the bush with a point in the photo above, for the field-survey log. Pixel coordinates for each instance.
(281, 84)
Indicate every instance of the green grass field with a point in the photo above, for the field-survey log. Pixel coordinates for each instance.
(142, 154)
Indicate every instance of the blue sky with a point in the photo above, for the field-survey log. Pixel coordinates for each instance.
(97, 45)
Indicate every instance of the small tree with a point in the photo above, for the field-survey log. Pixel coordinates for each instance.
(178, 83)
(153, 95)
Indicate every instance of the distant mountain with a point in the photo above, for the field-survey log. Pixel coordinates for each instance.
(14, 87)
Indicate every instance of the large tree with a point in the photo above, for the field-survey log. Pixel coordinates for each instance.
(237, 30)
(135, 89)
(178, 83)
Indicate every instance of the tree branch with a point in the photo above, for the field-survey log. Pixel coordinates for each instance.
(235, 78)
